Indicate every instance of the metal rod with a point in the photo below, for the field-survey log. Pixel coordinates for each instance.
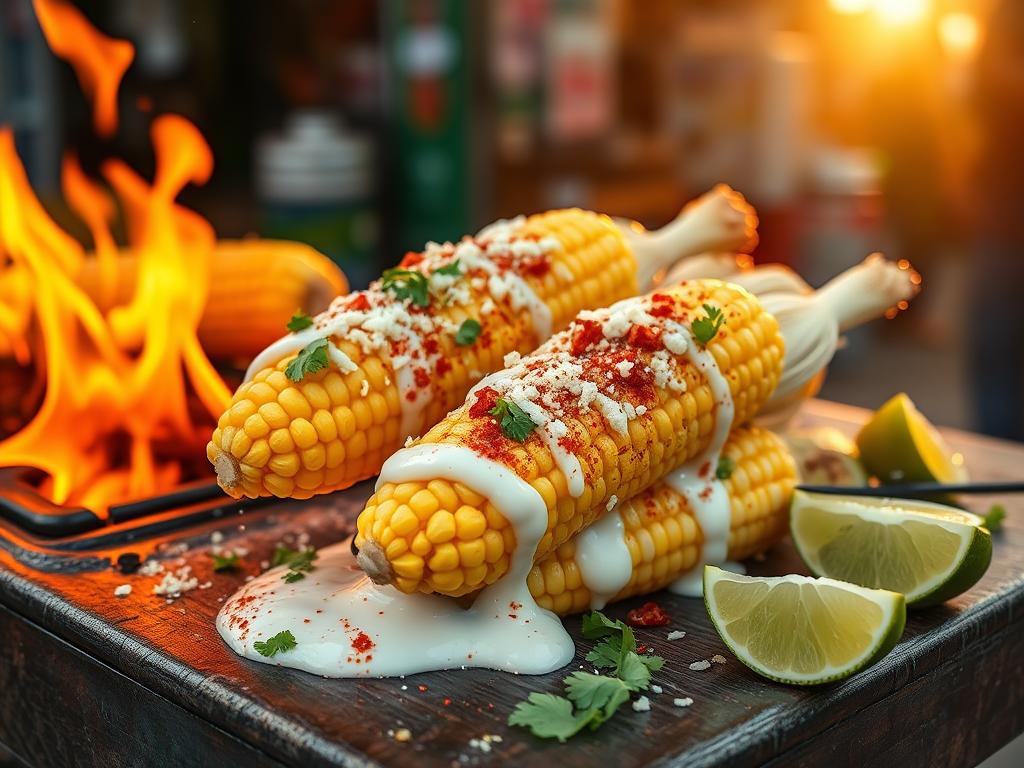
(914, 490)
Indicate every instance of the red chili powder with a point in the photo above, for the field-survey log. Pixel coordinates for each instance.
(362, 643)
(647, 615)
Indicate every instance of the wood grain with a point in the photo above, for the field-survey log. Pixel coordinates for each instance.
(950, 693)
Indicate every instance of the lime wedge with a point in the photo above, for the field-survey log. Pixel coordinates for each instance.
(799, 630)
(929, 552)
(899, 445)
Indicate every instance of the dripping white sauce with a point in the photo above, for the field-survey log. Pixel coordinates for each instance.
(601, 551)
(704, 492)
(605, 563)
(505, 629)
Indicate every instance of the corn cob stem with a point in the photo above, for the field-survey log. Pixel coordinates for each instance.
(654, 410)
(659, 534)
(721, 220)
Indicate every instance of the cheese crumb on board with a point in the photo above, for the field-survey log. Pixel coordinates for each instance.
(643, 704)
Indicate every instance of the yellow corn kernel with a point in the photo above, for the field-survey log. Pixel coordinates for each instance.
(664, 537)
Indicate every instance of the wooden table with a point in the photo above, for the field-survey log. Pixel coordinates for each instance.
(90, 679)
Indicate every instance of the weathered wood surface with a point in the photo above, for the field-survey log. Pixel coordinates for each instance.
(951, 692)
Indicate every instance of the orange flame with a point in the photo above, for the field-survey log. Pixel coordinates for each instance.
(116, 415)
(99, 61)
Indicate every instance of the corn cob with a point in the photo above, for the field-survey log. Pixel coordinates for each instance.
(334, 427)
(255, 286)
(441, 536)
(664, 537)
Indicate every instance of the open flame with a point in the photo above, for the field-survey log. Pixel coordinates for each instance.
(117, 419)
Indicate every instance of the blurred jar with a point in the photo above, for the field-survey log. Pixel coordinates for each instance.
(314, 180)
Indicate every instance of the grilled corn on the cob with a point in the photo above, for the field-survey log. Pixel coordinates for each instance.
(255, 286)
(604, 410)
(402, 354)
(664, 536)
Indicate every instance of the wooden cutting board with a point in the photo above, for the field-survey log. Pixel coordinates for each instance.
(87, 678)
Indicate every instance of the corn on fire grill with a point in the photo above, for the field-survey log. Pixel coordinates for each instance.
(90, 678)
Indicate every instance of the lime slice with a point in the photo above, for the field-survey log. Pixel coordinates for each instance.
(799, 630)
(900, 445)
(825, 456)
(929, 552)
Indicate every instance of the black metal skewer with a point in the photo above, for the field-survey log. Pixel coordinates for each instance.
(916, 490)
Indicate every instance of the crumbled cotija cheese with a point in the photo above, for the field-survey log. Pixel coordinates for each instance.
(175, 583)
(643, 704)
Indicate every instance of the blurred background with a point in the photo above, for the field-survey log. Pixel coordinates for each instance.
(367, 128)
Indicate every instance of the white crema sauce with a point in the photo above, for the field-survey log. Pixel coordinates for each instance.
(346, 626)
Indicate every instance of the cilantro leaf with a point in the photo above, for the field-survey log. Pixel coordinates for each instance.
(282, 554)
(311, 359)
(225, 562)
(299, 565)
(653, 663)
(592, 699)
(588, 691)
(299, 322)
(552, 717)
(705, 328)
(596, 625)
(994, 518)
(612, 651)
(606, 654)
(407, 284)
(633, 673)
(515, 422)
(450, 269)
(282, 641)
(468, 332)
(726, 466)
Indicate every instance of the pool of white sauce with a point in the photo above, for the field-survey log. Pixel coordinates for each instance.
(505, 629)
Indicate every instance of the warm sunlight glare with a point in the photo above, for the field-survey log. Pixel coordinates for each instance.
(850, 6)
(959, 33)
(901, 11)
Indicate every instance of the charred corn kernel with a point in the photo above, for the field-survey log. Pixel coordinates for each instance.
(591, 267)
(678, 427)
(663, 536)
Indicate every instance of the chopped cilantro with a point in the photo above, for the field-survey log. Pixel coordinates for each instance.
(451, 269)
(726, 466)
(299, 564)
(590, 699)
(311, 359)
(994, 518)
(515, 422)
(282, 641)
(226, 562)
(282, 554)
(705, 328)
(407, 284)
(552, 717)
(468, 332)
(299, 322)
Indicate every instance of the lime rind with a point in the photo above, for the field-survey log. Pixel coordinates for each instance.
(962, 570)
(898, 444)
(892, 604)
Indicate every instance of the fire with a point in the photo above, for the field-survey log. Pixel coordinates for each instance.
(117, 420)
(99, 61)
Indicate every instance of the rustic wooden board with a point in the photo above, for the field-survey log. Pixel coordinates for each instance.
(951, 692)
